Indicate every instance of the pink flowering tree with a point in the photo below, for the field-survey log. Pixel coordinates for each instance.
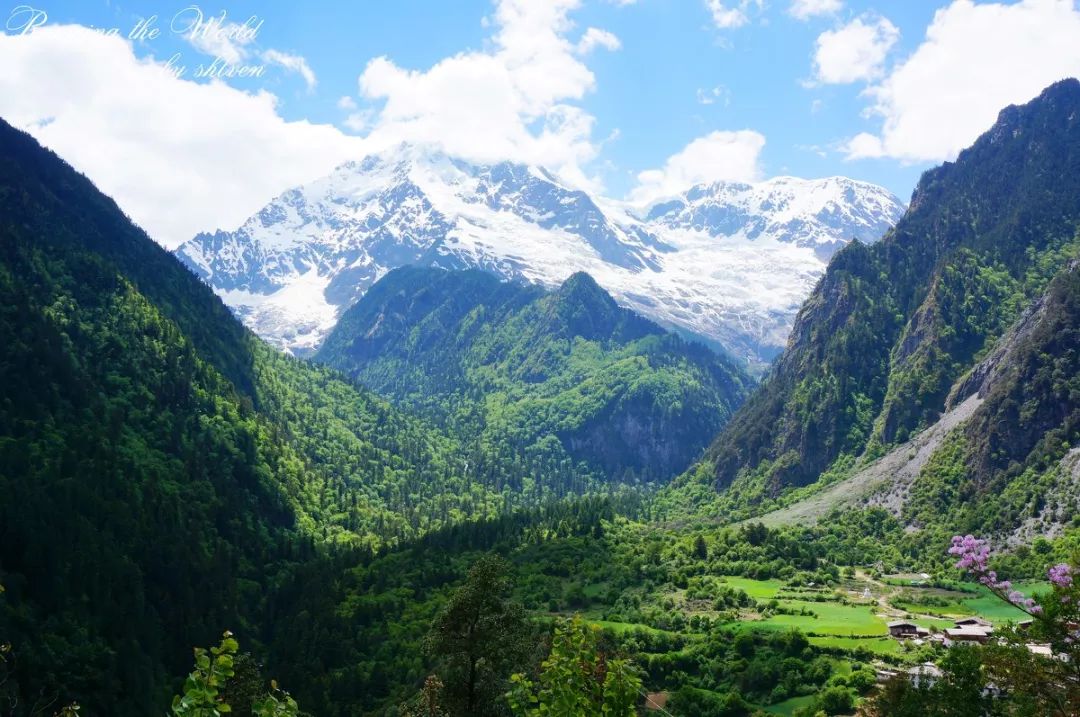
(1047, 684)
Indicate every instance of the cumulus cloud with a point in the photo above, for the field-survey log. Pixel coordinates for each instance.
(806, 9)
(514, 101)
(718, 156)
(727, 15)
(182, 156)
(854, 52)
(594, 38)
(975, 60)
(179, 156)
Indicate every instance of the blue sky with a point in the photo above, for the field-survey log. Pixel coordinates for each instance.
(873, 90)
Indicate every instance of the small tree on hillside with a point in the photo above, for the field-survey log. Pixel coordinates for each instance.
(480, 637)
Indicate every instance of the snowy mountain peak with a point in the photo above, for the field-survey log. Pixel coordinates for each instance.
(823, 214)
(728, 262)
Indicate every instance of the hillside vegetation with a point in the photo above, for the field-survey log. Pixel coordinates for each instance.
(565, 382)
(893, 326)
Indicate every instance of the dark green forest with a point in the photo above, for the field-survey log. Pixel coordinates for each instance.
(163, 469)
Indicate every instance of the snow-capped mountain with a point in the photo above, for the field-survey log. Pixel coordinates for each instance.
(728, 262)
(822, 214)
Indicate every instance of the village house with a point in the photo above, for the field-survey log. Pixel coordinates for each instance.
(903, 630)
(970, 629)
(885, 674)
(980, 635)
(1040, 649)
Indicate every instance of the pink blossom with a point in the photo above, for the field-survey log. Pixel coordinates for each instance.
(973, 553)
(1061, 575)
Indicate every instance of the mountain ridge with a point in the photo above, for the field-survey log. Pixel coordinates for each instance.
(892, 326)
(1021, 462)
(733, 276)
(566, 372)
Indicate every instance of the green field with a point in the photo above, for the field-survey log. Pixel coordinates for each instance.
(757, 589)
(960, 605)
(832, 618)
(621, 627)
(952, 609)
(837, 625)
(996, 610)
(931, 622)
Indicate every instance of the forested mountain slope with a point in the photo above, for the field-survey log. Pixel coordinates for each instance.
(1003, 460)
(891, 327)
(160, 466)
(573, 381)
(1011, 467)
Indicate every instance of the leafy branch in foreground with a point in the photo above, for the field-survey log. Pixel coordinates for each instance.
(578, 679)
(206, 687)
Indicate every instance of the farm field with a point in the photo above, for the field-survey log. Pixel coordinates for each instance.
(759, 589)
(674, 622)
(878, 645)
(831, 618)
(840, 617)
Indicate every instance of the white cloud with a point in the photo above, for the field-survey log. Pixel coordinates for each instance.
(513, 101)
(235, 42)
(359, 121)
(594, 38)
(181, 156)
(728, 15)
(975, 60)
(864, 145)
(806, 9)
(855, 51)
(712, 96)
(294, 63)
(718, 156)
(178, 156)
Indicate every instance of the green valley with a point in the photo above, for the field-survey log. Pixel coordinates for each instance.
(484, 497)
